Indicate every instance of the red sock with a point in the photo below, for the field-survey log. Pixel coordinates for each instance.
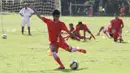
(59, 62)
(81, 50)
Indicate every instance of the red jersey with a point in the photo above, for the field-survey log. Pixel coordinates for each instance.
(83, 27)
(72, 30)
(54, 29)
(122, 10)
(116, 24)
(108, 29)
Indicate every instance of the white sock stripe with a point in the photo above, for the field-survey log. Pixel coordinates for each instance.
(73, 49)
(54, 54)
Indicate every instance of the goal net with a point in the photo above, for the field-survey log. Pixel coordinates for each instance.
(9, 10)
(81, 10)
(45, 7)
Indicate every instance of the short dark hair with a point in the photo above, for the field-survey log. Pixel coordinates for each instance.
(79, 22)
(56, 12)
(116, 14)
(71, 24)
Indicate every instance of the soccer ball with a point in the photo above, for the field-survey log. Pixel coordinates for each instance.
(74, 65)
(4, 36)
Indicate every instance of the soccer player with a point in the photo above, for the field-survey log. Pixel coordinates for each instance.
(107, 31)
(81, 26)
(122, 11)
(72, 30)
(55, 26)
(26, 13)
(117, 26)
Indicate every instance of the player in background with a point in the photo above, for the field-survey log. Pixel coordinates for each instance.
(26, 13)
(72, 30)
(55, 26)
(117, 26)
(122, 11)
(81, 26)
(107, 31)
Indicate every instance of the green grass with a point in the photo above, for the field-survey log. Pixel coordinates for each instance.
(28, 54)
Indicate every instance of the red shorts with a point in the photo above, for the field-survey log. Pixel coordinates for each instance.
(77, 34)
(106, 30)
(60, 44)
(117, 33)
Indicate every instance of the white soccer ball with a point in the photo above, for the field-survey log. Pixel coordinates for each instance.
(74, 65)
(4, 36)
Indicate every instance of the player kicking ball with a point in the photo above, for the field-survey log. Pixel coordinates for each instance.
(26, 13)
(55, 26)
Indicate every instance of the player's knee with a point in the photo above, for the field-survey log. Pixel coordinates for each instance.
(54, 54)
(69, 48)
(53, 48)
(102, 27)
(115, 40)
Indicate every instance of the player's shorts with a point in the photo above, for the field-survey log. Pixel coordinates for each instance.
(117, 33)
(25, 22)
(61, 44)
(77, 34)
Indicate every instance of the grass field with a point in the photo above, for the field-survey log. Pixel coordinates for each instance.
(28, 54)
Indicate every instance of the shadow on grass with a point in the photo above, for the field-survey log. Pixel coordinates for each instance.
(70, 70)
(124, 42)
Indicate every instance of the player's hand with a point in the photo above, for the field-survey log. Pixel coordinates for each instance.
(31, 6)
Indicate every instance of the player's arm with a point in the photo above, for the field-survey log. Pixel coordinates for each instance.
(84, 35)
(21, 14)
(71, 34)
(35, 11)
(91, 34)
(107, 34)
(122, 24)
(113, 29)
(31, 14)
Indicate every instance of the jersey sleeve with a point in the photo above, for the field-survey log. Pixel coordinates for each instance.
(77, 28)
(64, 27)
(85, 27)
(111, 23)
(31, 11)
(21, 11)
(46, 20)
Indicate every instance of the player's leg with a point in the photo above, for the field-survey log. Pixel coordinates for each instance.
(69, 48)
(22, 26)
(77, 34)
(101, 28)
(120, 35)
(29, 32)
(54, 49)
(115, 36)
(28, 24)
(22, 30)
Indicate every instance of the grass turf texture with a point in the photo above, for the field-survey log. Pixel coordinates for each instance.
(28, 54)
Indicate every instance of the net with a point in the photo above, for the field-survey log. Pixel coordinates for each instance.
(45, 7)
(9, 10)
(81, 9)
